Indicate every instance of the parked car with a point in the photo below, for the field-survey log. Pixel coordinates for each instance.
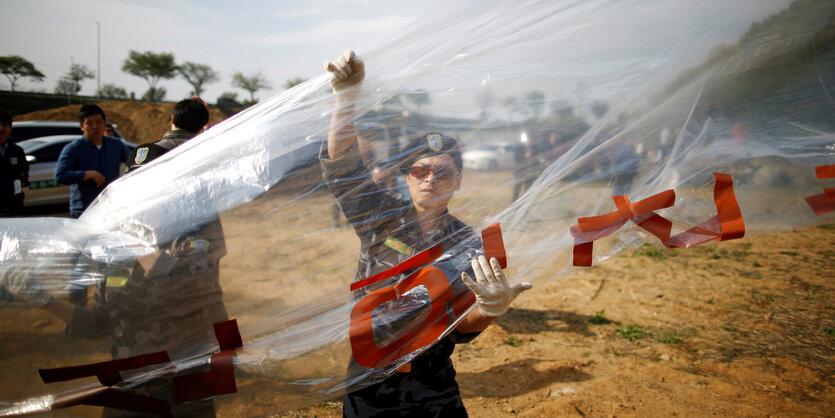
(42, 155)
(489, 157)
(29, 129)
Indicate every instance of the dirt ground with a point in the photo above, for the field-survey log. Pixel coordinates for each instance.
(738, 328)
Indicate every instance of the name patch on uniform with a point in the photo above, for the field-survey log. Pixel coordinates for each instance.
(398, 246)
(141, 155)
(116, 281)
(200, 244)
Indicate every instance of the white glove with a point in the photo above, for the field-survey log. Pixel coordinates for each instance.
(23, 282)
(348, 70)
(491, 290)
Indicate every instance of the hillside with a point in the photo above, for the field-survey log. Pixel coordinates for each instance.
(139, 122)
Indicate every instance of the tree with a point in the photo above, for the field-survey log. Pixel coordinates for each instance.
(294, 82)
(66, 86)
(112, 91)
(154, 94)
(197, 75)
(152, 67)
(79, 73)
(251, 84)
(229, 95)
(15, 66)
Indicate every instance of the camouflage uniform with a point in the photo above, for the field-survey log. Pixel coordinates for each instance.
(172, 307)
(390, 233)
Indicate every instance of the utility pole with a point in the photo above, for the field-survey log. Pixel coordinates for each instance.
(98, 58)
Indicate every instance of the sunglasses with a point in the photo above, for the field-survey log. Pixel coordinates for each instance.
(421, 172)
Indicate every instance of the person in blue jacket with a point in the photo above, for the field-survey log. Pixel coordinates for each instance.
(88, 164)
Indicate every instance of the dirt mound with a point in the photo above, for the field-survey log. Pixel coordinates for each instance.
(138, 122)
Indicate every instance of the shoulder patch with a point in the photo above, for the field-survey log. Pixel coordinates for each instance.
(141, 155)
(200, 244)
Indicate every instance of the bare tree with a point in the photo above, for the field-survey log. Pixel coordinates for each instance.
(197, 75)
(79, 73)
(66, 86)
(251, 84)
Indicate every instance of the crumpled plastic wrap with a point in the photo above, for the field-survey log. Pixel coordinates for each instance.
(639, 98)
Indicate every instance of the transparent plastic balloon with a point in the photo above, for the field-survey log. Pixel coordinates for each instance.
(558, 107)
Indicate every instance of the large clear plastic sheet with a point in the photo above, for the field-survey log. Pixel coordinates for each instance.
(558, 106)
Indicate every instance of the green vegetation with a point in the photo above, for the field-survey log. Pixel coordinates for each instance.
(599, 318)
(830, 331)
(741, 83)
(251, 84)
(197, 75)
(655, 253)
(15, 67)
(513, 342)
(670, 340)
(632, 332)
(112, 91)
(152, 67)
(70, 83)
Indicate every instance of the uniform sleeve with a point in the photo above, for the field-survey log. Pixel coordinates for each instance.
(65, 168)
(130, 161)
(126, 152)
(24, 166)
(459, 338)
(349, 181)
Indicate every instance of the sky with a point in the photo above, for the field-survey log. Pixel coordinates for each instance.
(280, 40)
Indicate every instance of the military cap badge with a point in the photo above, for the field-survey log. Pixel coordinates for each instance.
(434, 142)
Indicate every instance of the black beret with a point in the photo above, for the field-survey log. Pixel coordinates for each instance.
(433, 143)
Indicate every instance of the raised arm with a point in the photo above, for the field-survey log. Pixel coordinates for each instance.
(348, 72)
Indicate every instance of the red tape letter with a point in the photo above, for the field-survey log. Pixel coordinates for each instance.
(825, 202)
(727, 224)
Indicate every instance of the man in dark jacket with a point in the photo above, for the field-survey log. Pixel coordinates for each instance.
(14, 170)
(188, 119)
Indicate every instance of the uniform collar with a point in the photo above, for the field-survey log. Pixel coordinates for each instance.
(175, 138)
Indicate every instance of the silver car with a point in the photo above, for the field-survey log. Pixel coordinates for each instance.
(489, 157)
(42, 155)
